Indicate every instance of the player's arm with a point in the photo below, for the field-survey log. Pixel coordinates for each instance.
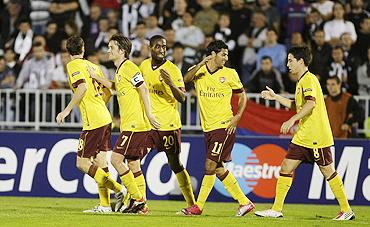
(242, 103)
(107, 94)
(306, 109)
(76, 98)
(178, 93)
(144, 94)
(105, 82)
(269, 94)
(190, 75)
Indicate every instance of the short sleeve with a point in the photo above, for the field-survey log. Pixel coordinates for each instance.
(177, 77)
(134, 76)
(75, 74)
(235, 82)
(308, 88)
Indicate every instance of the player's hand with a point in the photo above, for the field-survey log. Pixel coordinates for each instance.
(91, 72)
(231, 128)
(268, 94)
(61, 116)
(153, 121)
(205, 60)
(285, 127)
(165, 76)
(345, 127)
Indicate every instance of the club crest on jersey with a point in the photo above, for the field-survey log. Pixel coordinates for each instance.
(298, 91)
(119, 78)
(222, 79)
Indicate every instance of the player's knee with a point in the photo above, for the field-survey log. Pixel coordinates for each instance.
(115, 162)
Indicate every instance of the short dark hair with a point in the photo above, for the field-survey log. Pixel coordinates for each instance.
(216, 46)
(154, 39)
(178, 45)
(74, 45)
(336, 78)
(338, 47)
(37, 44)
(301, 52)
(123, 43)
(265, 57)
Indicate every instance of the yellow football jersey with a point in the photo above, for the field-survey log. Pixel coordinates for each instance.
(214, 91)
(164, 105)
(92, 106)
(314, 129)
(131, 106)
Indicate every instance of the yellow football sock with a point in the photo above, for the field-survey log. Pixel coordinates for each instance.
(140, 182)
(336, 185)
(129, 182)
(282, 187)
(207, 185)
(234, 189)
(185, 185)
(104, 194)
(102, 178)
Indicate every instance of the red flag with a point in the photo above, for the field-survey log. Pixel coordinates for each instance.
(261, 119)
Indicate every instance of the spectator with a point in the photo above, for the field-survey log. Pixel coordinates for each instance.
(23, 40)
(7, 77)
(10, 20)
(314, 21)
(39, 15)
(295, 15)
(206, 18)
(101, 39)
(223, 31)
(152, 27)
(53, 37)
(276, 51)
(341, 69)
(363, 76)
(190, 36)
(336, 27)
(183, 65)
(35, 73)
(130, 17)
(139, 37)
(357, 13)
(239, 17)
(179, 60)
(343, 111)
(145, 8)
(173, 14)
(321, 57)
(113, 18)
(11, 61)
(325, 7)
(91, 25)
(271, 12)
(252, 40)
(266, 76)
(170, 36)
(297, 39)
(63, 11)
(59, 75)
(350, 56)
(362, 42)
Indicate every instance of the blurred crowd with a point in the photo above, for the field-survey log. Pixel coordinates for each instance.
(258, 33)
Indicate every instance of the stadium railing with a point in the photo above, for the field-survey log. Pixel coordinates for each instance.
(37, 109)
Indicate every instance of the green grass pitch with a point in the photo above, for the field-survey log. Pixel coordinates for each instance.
(31, 211)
